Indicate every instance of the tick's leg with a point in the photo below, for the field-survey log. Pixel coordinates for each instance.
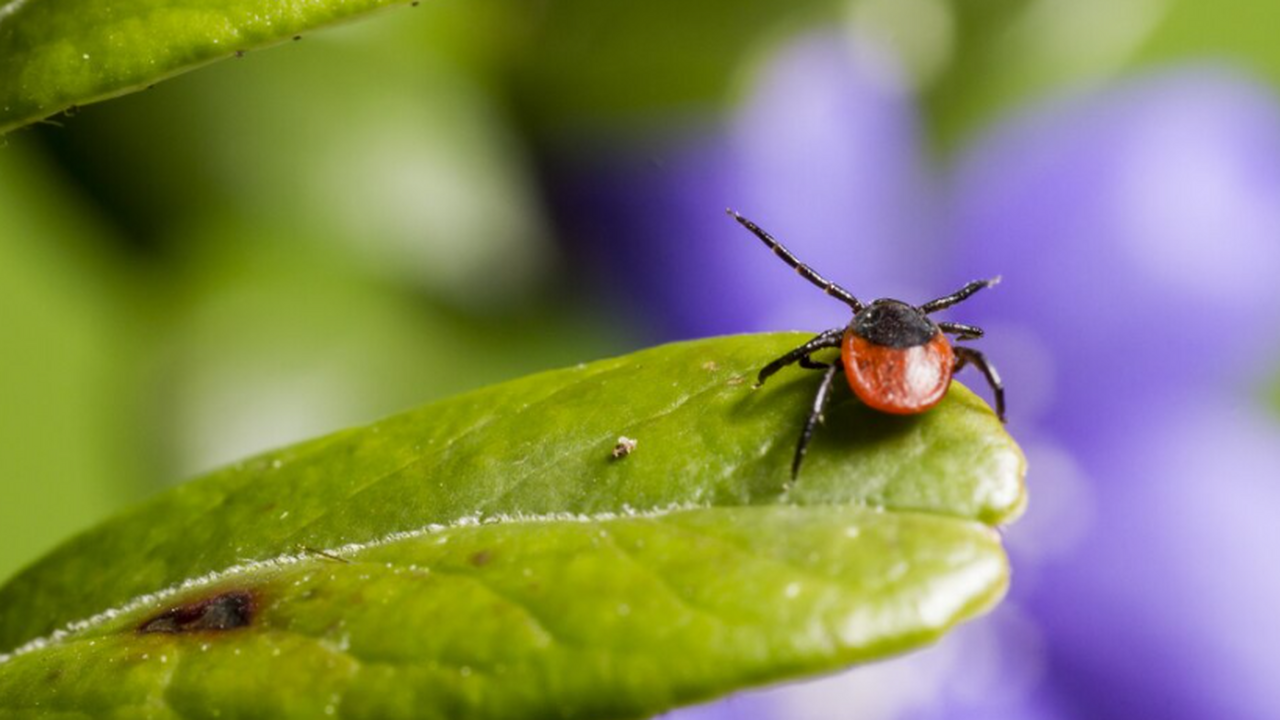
(957, 296)
(965, 355)
(805, 271)
(961, 331)
(815, 416)
(809, 363)
(828, 339)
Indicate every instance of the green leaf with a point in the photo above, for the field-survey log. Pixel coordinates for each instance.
(488, 556)
(72, 52)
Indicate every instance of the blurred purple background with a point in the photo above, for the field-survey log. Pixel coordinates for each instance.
(1137, 228)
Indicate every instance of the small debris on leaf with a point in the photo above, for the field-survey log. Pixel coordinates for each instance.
(624, 447)
(321, 553)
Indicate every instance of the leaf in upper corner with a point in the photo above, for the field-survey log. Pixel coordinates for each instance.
(488, 557)
(73, 52)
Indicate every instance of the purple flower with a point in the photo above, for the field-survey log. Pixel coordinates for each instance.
(1169, 606)
(1142, 226)
(825, 155)
(1140, 232)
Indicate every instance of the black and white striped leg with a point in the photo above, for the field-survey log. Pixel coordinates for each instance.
(828, 339)
(805, 271)
(966, 355)
(960, 295)
(815, 416)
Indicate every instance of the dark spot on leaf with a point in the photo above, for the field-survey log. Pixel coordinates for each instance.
(239, 53)
(297, 37)
(482, 558)
(227, 611)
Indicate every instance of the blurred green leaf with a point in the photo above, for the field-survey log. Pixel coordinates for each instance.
(580, 64)
(1241, 32)
(70, 380)
(61, 54)
(487, 556)
(445, 201)
(272, 338)
(1002, 53)
(1274, 394)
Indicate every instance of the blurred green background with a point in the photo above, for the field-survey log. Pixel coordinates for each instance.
(326, 232)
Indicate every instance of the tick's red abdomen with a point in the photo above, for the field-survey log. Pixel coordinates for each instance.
(898, 380)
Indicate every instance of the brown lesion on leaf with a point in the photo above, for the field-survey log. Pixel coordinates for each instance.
(482, 558)
(225, 611)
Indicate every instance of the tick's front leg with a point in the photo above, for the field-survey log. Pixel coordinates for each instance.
(815, 417)
(829, 339)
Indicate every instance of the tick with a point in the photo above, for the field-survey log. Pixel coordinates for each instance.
(896, 358)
